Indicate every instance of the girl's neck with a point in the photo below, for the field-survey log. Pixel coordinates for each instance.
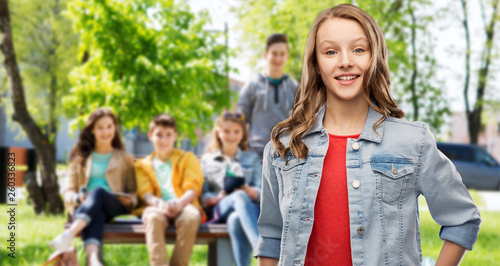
(164, 156)
(345, 117)
(275, 73)
(103, 148)
(229, 151)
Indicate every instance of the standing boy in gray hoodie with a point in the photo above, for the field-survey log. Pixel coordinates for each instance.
(268, 98)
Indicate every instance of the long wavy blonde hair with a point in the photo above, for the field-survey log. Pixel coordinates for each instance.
(311, 95)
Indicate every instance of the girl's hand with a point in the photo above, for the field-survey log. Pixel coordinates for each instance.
(212, 201)
(82, 197)
(251, 192)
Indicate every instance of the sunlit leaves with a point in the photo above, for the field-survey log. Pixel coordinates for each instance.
(147, 58)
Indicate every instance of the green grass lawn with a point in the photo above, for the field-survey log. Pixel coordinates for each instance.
(486, 250)
(33, 234)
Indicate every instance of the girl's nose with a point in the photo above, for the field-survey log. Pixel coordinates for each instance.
(345, 61)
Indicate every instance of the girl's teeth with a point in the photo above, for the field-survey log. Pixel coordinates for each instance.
(346, 77)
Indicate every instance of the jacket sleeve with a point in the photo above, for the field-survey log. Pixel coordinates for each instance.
(257, 174)
(206, 193)
(131, 181)
(270, 223)
(192, 174)
(144, 185)
(71, 186)
(246, 101)
(447, 198)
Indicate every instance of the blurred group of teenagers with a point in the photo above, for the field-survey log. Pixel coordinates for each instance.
(319, 173)
(172, 186)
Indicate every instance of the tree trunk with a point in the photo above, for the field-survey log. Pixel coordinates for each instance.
(52, 96)
(49, 178)
(413, 85)
(474, 117)
(465, 23)
(474, 125)
(42, 145)
(34, 191)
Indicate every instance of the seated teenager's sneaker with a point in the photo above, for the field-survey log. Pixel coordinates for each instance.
(62, 242)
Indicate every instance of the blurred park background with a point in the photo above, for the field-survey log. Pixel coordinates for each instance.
(190, 58)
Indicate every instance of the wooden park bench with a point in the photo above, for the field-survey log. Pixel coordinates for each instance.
(131, 231)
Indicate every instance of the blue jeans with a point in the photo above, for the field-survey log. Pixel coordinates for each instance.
(241, 215)
(99, 207)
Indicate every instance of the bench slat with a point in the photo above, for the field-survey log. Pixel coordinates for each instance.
(129, 232)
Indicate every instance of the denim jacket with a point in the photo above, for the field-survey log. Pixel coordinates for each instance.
(386, 172)
(214, 166)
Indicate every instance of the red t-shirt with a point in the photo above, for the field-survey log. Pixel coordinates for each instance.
(330, 240)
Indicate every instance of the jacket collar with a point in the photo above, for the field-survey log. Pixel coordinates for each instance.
(367, 133)
(173, 158)
(237, 156)
(263, 77)
(113, 163)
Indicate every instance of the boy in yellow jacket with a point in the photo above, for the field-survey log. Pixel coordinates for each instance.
(169, 182)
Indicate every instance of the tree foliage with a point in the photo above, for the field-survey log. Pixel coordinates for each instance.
(144, 58)
(46, 48)
(260, 18)
(45, 150)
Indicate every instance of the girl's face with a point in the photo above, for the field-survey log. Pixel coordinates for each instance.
(104, 131)
(276, 56)
(343, 55)
(230, 134)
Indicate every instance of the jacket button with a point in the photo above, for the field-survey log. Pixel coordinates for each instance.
(355, 146)
(394, 170)
(355, 184)
(361, 230)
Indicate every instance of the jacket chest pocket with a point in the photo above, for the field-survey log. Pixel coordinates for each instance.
(290, 171)
(391, 179)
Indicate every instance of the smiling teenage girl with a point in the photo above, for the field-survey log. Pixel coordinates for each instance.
(98, 164)
(228, 157)
(342, 175)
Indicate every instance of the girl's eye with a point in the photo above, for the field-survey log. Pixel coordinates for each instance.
(358, 50)
(331, 52)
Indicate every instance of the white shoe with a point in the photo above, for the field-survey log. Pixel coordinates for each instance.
(62, 242)
(94, 260)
